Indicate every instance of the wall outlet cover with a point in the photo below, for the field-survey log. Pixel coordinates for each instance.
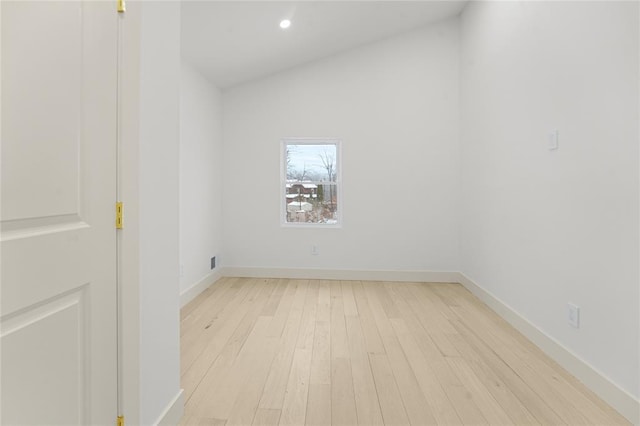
(573, 315)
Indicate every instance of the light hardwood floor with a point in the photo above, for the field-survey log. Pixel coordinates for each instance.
(296, 352)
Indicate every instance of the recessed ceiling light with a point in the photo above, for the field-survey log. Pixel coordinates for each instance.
(285, 23)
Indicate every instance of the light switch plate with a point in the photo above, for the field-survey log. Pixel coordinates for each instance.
(553, 140)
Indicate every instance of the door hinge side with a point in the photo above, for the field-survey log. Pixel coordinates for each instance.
(119, 208)
(122, 7)
(120, 421)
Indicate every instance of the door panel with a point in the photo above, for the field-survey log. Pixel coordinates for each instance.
(58, 307)
(42, 62)
(56, 328)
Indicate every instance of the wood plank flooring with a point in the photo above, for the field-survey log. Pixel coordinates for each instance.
(296, 352)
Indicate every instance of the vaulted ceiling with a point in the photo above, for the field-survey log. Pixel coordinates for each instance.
(232, 42)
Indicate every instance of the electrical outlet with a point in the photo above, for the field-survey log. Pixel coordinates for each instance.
(315, 250)
(573, 315)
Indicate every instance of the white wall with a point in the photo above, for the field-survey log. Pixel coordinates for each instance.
(394, 104)
(158, 208)
(542, 228)
(200, 177)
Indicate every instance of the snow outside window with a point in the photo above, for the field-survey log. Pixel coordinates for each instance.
(311, 182)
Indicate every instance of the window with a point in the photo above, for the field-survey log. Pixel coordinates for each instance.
(311, 182)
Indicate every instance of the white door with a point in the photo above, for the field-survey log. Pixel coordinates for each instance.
(58, 249)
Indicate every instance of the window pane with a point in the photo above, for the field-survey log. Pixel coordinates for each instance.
(312, 203)
(311, 162)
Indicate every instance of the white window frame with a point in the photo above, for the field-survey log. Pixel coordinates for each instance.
(283, 180)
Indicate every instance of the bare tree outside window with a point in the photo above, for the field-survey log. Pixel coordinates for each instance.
(329, 163)
(311, 184)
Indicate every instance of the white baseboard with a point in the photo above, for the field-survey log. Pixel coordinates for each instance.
(625, 403)
(174, 411)
(342, 274)
(192, 292)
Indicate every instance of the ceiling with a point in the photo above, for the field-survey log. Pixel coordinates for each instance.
(232, 42)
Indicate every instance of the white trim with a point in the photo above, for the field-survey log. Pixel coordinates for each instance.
(625, 403)
(192, 292)
(342, 274)
(337, 180)
(172, 415)
(129, 253)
